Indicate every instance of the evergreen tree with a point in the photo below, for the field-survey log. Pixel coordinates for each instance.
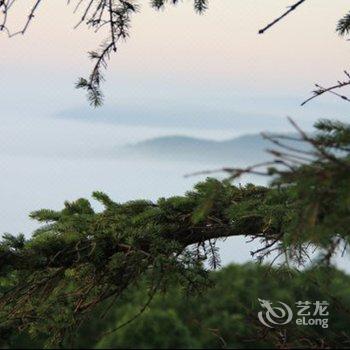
(80, 258)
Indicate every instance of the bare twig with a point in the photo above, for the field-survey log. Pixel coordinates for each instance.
(322, 90)
(291, 9)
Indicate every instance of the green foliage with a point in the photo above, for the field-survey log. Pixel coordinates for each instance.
(81, 258)
(224, 316)
(157, 329)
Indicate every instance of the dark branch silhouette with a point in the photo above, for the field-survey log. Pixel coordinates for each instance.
(278, 19)
(322, 90)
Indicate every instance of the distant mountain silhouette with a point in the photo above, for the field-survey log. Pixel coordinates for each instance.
(243, 149)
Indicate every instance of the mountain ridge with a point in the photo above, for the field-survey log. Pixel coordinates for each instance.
(250, 148)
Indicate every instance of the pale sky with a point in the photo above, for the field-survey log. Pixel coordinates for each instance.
(176, 55)
(179, 73)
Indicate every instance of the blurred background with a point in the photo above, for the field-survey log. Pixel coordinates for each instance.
(193, 80)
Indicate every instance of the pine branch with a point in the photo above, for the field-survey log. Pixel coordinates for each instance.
(343, 26)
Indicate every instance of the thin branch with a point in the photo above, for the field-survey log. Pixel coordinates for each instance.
(322, 90)
(278, 19)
